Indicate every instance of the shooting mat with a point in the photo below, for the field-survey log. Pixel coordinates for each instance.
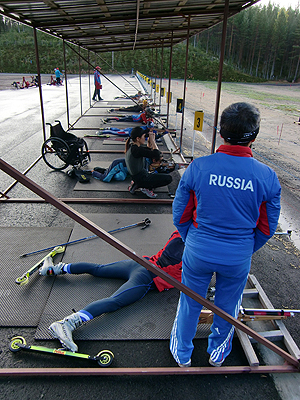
(23, 305)
(150, 318)
(112, 186)
(120, 142)
(115, 141)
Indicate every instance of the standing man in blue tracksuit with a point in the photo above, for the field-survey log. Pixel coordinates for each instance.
(226, 207)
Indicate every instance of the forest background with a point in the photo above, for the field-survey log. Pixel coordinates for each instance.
(262, 43)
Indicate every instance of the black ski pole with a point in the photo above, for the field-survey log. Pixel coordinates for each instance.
(144, 224)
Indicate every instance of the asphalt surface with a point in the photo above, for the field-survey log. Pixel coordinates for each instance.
(277, 271)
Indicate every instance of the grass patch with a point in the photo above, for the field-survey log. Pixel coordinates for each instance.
(243, 90)
(285, 107)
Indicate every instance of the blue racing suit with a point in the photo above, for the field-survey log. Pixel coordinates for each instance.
(138, 280)
(142, 117)
(126, 132)
(226, 207)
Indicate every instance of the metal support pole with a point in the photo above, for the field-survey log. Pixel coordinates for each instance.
(89, 72)
(155, 74)
(40, 81)
(152, 63)
(66, 84)
(161, 73)
(226, 10)
(7, 190)
(146, 371)
(87, 200)
(170, 74)
(184, 84)
(91, 226)
(80, 88)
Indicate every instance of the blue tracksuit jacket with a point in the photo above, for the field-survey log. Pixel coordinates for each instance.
(227, 205)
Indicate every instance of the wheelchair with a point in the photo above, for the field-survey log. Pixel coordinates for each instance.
(63, 149)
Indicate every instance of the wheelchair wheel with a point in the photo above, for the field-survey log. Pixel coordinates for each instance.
(55, 153)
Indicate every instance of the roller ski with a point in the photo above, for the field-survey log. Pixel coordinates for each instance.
(104, 358)
(98, 134)
(23, 280)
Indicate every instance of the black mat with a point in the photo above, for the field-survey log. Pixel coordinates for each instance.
(112, 186)
(150, 318)
(115, 141)
(120, 142)
(23, 305)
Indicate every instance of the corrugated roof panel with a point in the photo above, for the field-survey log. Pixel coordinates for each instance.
(112, 24)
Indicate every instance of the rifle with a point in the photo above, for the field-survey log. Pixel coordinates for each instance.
(251, 314)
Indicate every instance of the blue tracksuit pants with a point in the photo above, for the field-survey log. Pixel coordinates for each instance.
(138, 282)
(100, 176)
(230, 283)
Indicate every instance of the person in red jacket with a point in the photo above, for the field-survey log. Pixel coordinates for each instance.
(144, 117)
(138, 283)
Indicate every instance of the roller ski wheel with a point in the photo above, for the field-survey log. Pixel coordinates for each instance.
(14, 344)
(22, 280)
(105, 358)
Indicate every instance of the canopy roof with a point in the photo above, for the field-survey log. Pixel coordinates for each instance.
(115, 25)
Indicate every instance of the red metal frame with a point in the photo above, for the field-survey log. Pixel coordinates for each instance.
(5, 372)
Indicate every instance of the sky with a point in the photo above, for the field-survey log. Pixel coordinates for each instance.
(282, 3)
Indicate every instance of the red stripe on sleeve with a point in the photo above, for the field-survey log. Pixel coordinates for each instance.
(190, 210)
(262, 222)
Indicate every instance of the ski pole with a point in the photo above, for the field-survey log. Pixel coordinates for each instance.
(283, 233)
(144, 223)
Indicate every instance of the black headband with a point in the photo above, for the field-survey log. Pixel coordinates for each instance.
(238, 138)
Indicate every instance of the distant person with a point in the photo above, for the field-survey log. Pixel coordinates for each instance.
(136, 96)
(138, 282)
(97, 82)
(35, 80)
(58, 75)
(126, 132)
(141, 106)
(144, 117)
(226, 207)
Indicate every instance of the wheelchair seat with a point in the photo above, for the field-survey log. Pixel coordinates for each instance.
(63, 149)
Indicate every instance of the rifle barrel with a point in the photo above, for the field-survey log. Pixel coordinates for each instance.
(267, 311)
